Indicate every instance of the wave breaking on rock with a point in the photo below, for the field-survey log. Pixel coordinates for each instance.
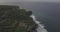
(40, 26)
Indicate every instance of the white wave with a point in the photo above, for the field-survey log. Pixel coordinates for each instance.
(40, 26)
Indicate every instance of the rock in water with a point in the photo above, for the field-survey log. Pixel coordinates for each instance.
(29, 13)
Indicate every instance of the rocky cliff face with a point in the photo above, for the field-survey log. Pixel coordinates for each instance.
(14, 19)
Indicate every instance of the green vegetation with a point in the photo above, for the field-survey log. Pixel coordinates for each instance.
(14, 19)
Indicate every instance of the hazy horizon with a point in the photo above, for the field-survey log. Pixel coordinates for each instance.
(56, 1)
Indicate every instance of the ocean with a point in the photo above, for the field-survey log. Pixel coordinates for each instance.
(46, 13)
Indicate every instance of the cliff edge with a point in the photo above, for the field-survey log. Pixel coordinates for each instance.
(14, 19)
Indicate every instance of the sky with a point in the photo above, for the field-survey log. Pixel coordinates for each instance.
(44, 0)
(30, 0)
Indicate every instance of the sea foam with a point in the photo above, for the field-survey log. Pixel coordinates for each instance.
(40, 26)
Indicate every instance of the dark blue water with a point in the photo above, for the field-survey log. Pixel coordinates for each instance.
(47, 13)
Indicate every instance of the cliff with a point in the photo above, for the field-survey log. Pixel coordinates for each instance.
(14, 19)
